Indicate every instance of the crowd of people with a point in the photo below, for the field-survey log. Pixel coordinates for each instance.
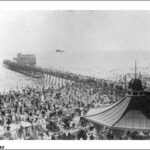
(49, 113)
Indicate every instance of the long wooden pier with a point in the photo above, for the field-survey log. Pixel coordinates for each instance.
(38, 72)
(60, 78)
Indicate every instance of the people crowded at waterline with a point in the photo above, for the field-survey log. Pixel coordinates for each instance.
(49, 113)
(54, 113)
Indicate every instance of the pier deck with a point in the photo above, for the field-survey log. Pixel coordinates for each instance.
(38, 72)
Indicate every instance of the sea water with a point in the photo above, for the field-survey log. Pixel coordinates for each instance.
(11, 80)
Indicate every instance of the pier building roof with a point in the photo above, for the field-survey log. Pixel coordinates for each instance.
(130, 113)
(28, 59)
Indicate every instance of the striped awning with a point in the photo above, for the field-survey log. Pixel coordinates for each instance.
(133, 120)
(131, 113)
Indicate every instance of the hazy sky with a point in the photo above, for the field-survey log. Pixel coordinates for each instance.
(43, 31)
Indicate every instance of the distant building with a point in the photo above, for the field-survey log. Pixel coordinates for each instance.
(27, 59)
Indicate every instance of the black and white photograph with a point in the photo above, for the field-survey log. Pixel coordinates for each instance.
(74, 75)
